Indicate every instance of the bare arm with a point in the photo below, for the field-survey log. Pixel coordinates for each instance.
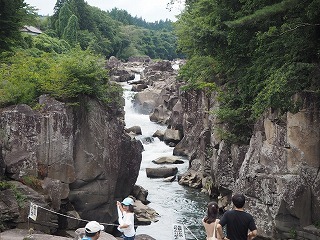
(119, 205)
(123, 225)
(220, 233)
(252, 234)
(219, 236)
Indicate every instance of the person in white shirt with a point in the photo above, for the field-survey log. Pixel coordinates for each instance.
(126, 218)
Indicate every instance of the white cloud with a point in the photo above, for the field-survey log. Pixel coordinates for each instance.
(150, 10)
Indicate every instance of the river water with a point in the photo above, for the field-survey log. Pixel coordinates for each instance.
(174, 203)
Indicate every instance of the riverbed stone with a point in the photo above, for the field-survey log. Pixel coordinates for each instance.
(172, 136)
(168, 160)
(134, 129)
(161, 172)
(140, 193)
(159, 134)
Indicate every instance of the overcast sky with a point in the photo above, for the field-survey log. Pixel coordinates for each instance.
(149, 10)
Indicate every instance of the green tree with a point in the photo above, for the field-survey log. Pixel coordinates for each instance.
(49, 44)
(64, 15)
(56, 11)
(86, 39)
(81, 9)
(12, 14)
(70, 32)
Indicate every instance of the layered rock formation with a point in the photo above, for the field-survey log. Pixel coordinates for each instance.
(278, 171)
(73, 155)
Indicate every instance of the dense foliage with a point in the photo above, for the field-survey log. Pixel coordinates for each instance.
(260, 52)
(124, 17)
(108, 33)
(67, 60)
(12, 15)
(26, 75)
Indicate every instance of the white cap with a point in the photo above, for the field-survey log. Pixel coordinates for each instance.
(93, 227)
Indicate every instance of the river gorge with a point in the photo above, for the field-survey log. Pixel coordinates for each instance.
(60, 155)
(175, 204)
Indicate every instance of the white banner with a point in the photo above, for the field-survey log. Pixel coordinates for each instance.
(33, 212)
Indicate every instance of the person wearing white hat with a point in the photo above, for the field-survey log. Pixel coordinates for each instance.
(93, 230)
(126, 218)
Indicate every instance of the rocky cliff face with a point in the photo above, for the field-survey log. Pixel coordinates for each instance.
(278, 171)
(77, 154)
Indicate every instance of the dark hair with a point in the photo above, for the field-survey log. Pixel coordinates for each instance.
(131, 208)
(238, 200)
(91, 234)
(212, 212)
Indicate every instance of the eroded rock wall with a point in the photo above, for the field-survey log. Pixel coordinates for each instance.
(281, 170)
(278, 171)
(76, 151)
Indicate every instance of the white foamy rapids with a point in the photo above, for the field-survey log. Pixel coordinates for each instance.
(133, 118)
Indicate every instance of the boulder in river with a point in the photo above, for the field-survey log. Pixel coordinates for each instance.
(135, 130)
(168, 160)
(161, 172)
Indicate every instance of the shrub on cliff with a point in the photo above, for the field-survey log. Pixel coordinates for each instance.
(26, 75)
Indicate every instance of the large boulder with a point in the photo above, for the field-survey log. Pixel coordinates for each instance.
(144, 214)
(145, 101)
(117, 70)
(162, 66)
(141, 194)
(172, 136)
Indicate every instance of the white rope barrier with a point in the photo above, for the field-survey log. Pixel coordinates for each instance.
(190, 231)
(33, 214)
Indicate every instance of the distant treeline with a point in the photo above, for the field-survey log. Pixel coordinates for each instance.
(74, 22)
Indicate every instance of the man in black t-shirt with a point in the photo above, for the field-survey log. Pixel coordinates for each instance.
(238, 221)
